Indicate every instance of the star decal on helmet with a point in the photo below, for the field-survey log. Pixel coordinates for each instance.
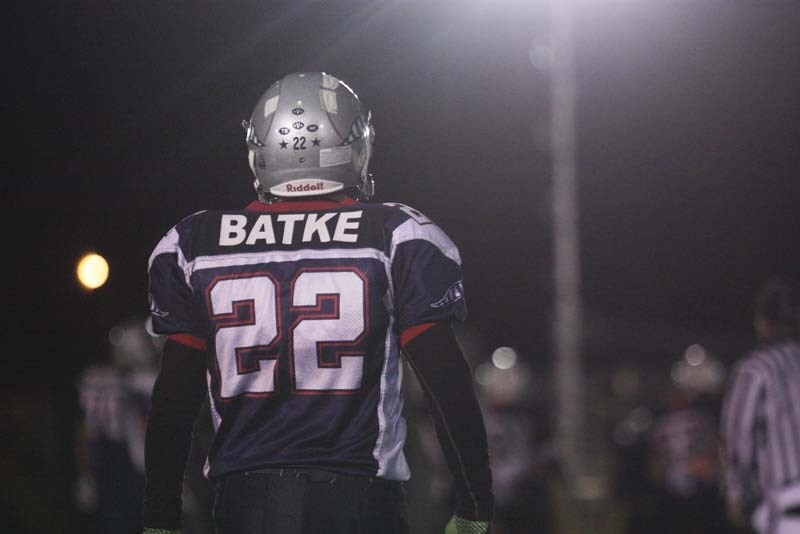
(315, 141)
(283, 144)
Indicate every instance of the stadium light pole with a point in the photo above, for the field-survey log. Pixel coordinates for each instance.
(567, 313)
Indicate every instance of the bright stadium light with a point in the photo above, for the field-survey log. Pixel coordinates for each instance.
(92, 271)
(695, 355)
(504, 358)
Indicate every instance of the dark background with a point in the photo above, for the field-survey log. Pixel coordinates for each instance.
(125, 117)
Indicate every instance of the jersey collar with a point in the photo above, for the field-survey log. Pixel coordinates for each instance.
(301, 205)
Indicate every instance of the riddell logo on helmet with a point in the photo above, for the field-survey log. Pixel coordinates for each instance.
(306, 187)
(318, 186)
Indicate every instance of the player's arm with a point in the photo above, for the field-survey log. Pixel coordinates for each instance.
(446, 380)
(177, 395)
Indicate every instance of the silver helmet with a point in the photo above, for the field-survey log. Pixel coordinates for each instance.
(309, 135)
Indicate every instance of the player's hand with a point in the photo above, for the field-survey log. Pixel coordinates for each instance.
(160, 531)
(459, 525)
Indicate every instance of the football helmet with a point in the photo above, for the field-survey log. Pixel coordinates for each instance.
(309, 135)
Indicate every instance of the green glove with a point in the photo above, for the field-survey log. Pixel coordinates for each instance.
(160, 531)
(459, 525)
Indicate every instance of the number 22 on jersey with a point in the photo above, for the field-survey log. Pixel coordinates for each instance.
(327, 311)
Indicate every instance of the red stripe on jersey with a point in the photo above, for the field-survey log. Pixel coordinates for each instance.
(413, 331)
(193, 342)
(301, 205)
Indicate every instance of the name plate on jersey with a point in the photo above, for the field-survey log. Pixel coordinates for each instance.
(289, 228)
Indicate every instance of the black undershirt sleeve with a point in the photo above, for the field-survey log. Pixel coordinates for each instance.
(446, 380)
(177, 395)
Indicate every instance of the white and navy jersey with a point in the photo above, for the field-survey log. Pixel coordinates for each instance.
(761, 423)
(301, 306)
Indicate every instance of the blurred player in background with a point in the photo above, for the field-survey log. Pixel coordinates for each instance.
(292, 313)
(669, 469)
(761, 419)
(522, 456)
(114, 398)
(683, 467)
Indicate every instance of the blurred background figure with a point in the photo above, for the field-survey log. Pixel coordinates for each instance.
(512, 399)
(114, 398)
(670, 465)
(683, 467)
(516, 425)
(761, 419)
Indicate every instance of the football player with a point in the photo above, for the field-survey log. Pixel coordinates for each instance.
(291, 314)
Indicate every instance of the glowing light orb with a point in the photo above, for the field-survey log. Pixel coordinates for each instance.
(92, 271)
(504, 358)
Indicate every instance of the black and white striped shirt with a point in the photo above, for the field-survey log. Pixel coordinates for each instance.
(761, 423)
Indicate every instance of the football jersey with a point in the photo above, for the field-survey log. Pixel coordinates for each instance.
(301, 306)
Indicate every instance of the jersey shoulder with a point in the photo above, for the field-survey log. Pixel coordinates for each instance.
(406, 224)
(178, 239)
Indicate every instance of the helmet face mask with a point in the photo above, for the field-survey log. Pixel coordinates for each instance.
(309, 135)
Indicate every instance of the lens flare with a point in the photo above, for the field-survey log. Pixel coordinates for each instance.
(92, 271)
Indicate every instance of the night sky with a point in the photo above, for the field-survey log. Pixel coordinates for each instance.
(126, 117)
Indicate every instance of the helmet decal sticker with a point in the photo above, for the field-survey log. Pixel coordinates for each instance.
(329, 82)
(303, 186)
(328, 101)
(299, 143)
(338, 155)
(270, 105)
(298, 111)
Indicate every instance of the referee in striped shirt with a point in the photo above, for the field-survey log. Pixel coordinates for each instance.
(761, 419)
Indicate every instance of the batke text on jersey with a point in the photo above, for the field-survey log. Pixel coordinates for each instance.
(343, 227)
